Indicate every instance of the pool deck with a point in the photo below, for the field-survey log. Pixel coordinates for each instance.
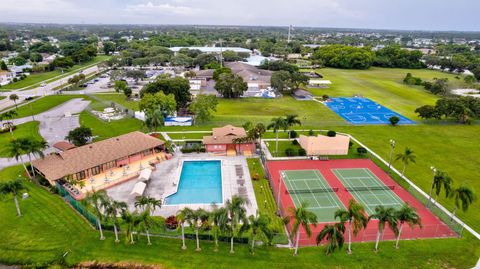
(164, 182)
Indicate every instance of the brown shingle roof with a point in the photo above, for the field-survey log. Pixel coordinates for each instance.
(224, 135)
(56, 166)
(63, 145)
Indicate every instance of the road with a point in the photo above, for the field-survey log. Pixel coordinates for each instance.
(48, 89)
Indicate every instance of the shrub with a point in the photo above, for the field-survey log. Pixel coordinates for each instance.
(361, 150)
(302, 152)
(331, 133)
(256, 176)
(311, 133)
(394, 120)
(290, 152)
(171, 223)
(295, 142)
(293, 134)
(350, 144)
(325, 97)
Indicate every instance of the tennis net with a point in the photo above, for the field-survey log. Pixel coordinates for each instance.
(318, 190)
(370, 188)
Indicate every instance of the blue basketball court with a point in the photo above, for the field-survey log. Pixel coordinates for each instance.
(357, 110)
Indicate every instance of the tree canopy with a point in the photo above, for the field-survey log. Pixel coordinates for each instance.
(178, 86)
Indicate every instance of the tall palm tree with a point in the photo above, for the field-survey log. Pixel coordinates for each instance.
(16, 149)
(356, 217)
(304, 218)
(384, 216)
(153, 204)
(334, 235)
(276, 124)
(407, 157)
(407, 214)
(14, 98)
(141, 202)
(35, 148)
(182, 217)
(237, 215)
(133, 220)
(13, 187)
(463, 197)
(99, 201)
(147, 222)
(112, 211)
(292, 120)
(218, 221)
(440, 180)
(195, 219)
(259, 225)
(260, 129)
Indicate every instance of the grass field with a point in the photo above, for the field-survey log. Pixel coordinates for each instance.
(106, 130)
(49, 228)
(35, 79)
(29, 129)
(44, 104)
(384, 86)
(119, 99)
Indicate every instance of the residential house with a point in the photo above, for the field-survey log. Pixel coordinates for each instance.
(224, 141)
(5, 77)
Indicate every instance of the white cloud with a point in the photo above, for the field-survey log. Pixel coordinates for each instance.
(161, 8)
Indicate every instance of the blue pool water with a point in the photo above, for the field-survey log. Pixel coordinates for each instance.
(358, 110)
(200, 183)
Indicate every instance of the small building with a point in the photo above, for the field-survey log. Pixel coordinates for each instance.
(93, 159)
(224, 141)
(319, 83)
(325, 145)
(256, 79)
(5, 77)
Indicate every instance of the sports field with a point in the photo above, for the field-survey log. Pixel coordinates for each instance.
(329, 185)
(359, 110)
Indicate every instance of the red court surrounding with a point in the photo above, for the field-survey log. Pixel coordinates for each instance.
(433, 227)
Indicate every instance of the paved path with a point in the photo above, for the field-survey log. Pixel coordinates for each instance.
(54, 124)
(48, 89)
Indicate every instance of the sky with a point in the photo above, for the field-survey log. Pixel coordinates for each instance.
(459, 15)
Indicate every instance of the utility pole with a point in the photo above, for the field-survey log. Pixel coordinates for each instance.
(221, 54)
(289, 33)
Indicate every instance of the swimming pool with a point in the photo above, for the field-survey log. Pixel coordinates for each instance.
(359, 110)
(200, 183)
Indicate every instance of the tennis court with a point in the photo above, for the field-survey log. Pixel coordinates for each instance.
(357, 110)
(368, 189)
(311, 187)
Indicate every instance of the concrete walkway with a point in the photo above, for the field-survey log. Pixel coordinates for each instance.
(54, 125)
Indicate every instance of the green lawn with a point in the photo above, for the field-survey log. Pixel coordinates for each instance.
(385, 86)
(119, 99)
(44, 104)
(36, 79)
(105, 130)
(238, 111)
(29, 129)
(2, 97)
(49, 228)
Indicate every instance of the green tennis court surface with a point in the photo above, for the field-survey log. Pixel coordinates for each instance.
(309, 186)
(367, 188)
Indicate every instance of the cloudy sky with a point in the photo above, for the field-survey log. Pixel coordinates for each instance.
(384, 14)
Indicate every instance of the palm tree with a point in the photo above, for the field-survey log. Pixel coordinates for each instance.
(237, 214)
(301, 217)
(182, 216)
(35, 148)
(195, 219)
(440, 180)
(259, 225)
(463, 197)
(292, 120)
(385, 216)
(407, 214)
(132, 220)
(153, 204)
(408, 156)
(277, 124)
(14, 98)
(113, 209)
(334, 235)
(13, 187)
(260, 129)
(16, 149)
(99, 201)
(218, 221)
(147, 222)
(154, 119)
(141, 202)
(8, 116)
(356, 217)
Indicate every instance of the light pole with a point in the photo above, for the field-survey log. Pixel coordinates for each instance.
(282, 174)
(434, 170)
(392, 147)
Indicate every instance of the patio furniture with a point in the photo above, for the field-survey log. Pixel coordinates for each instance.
(240, 182)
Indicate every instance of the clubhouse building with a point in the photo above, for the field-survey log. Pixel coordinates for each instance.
(101, 160)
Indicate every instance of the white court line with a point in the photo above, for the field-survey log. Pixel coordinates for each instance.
(326, 185)
(391, 193)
